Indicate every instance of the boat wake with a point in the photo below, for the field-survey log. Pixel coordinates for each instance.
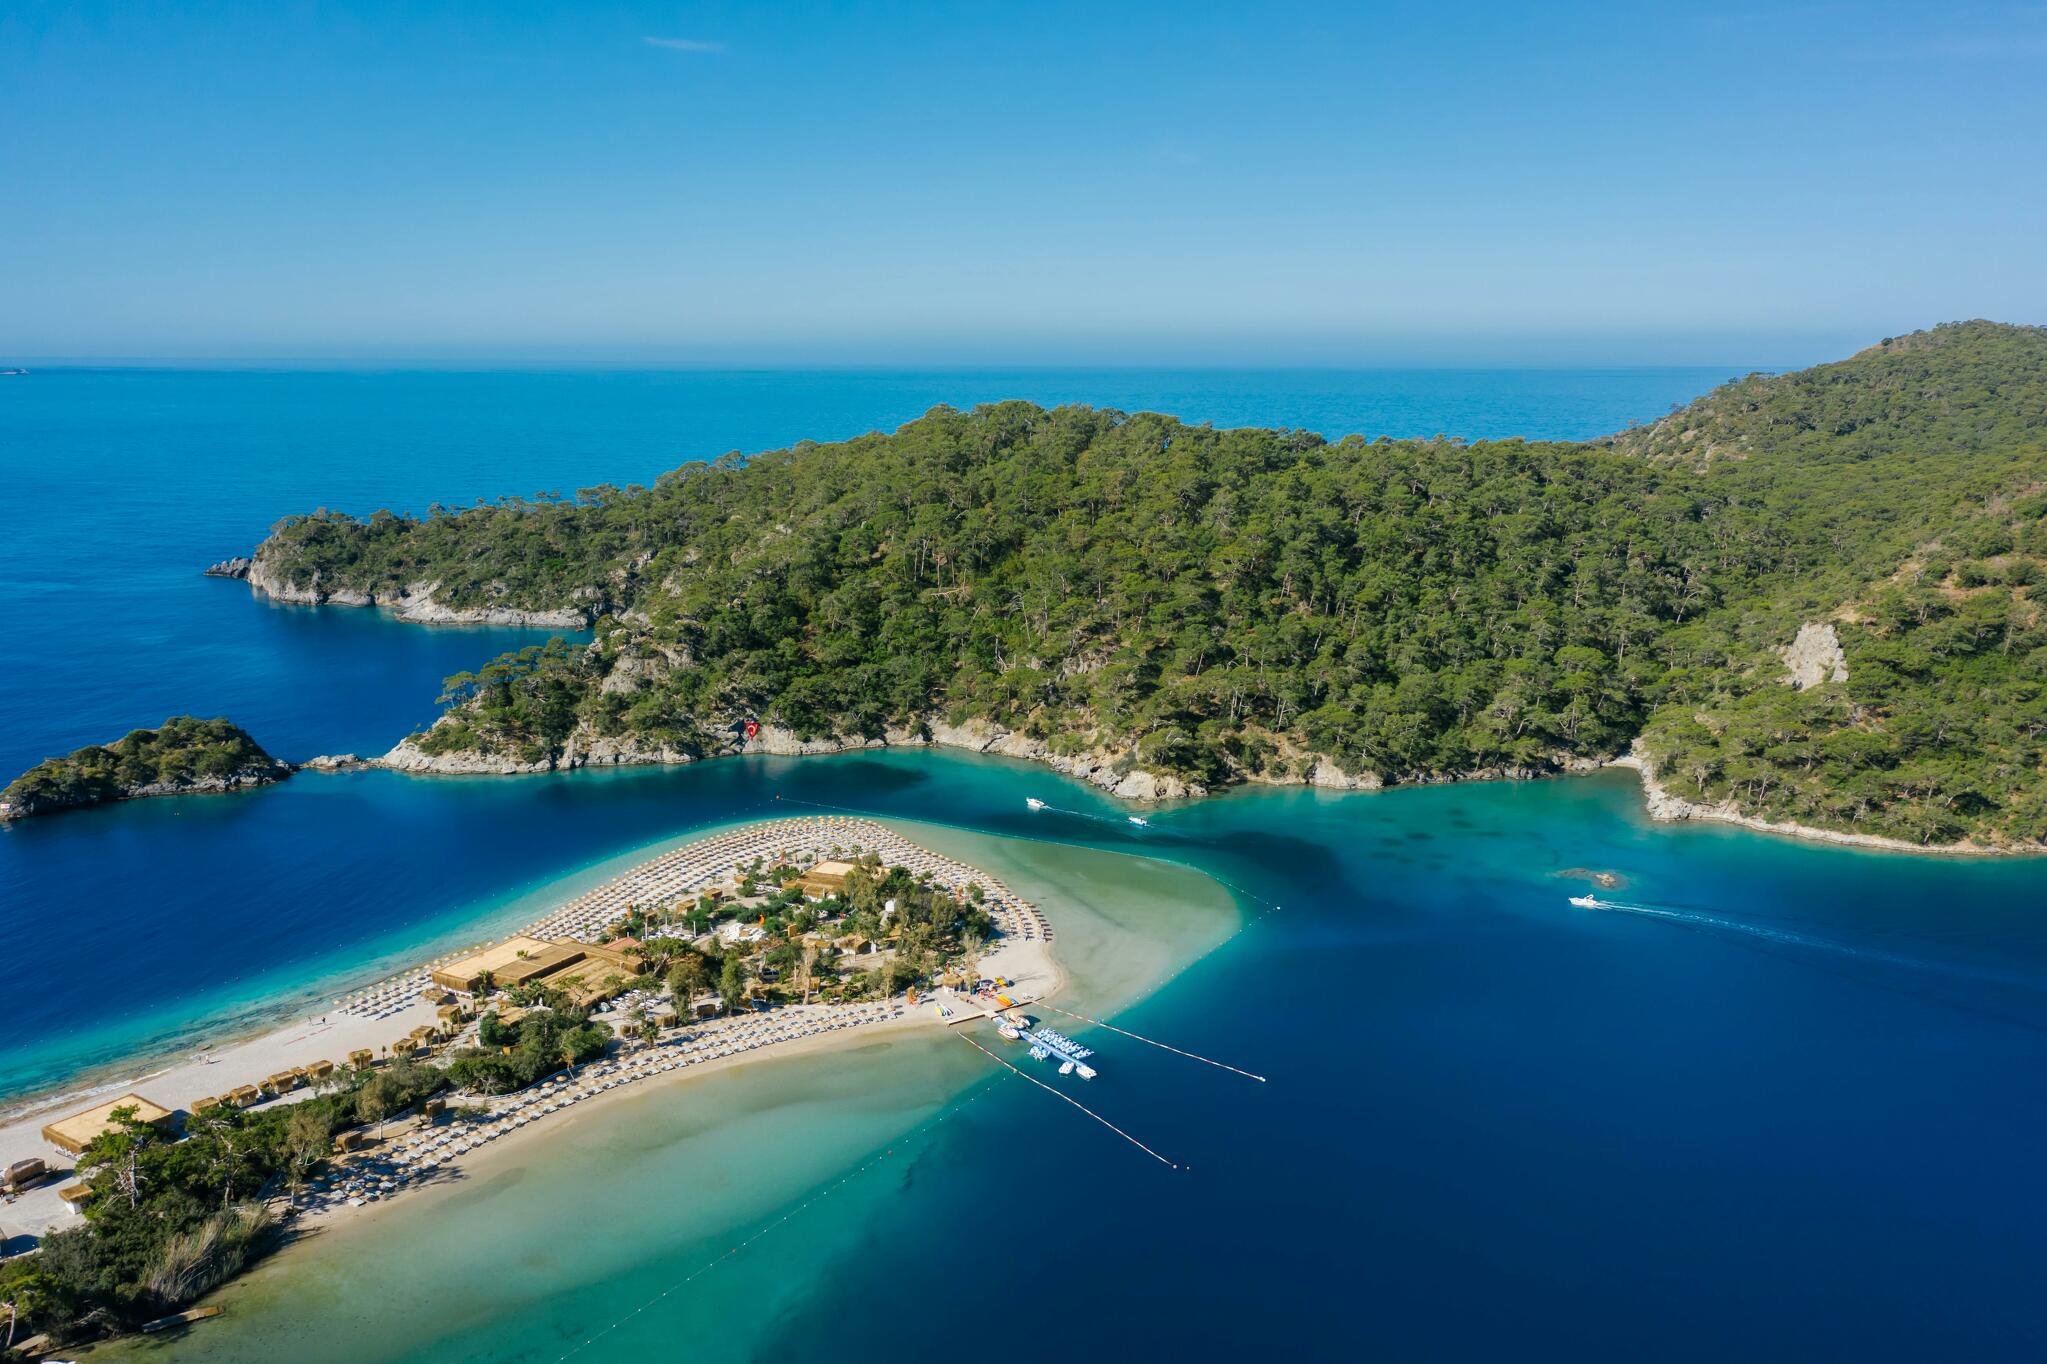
(1716, 923)
(1037, 806)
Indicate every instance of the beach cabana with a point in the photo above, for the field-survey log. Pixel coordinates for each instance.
(75, 1133)
(75, 1196)
(362, 1058)
(21, 1174)
(319, 1070)
(284, 1082)
(242, 1096)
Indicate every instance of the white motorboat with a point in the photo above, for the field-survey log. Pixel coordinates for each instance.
(1140, 823)
(1034, 802)
(1588, 902)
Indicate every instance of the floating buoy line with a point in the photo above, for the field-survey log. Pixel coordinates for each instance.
(1070, 1099)
(1153, 1042)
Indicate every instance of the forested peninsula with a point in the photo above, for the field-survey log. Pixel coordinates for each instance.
(1808, 598)
(183, 755)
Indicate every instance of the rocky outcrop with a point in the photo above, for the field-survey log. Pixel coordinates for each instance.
(335, 762)
(1815, 656)
(1665, 806)
(414, 603)
(408, 756)
(1330, 777)
(18, 804)
(1112, 771)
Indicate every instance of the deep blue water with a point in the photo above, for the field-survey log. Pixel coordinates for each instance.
(1790, 1110)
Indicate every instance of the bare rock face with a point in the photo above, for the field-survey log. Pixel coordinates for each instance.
(335, 762)
(786, 743)
(597, 750)
(631, 672)
(1329, 776)
(1815, 656)
(1113, 771)
(410, 757)
(413, 602)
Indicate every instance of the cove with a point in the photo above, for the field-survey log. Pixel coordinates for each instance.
(1812, 1096)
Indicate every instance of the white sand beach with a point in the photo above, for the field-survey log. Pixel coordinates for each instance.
(373, 1019)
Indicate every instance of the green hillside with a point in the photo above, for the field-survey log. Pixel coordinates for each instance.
(1220, 605)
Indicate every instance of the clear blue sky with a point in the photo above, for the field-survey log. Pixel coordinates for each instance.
(1439, 182)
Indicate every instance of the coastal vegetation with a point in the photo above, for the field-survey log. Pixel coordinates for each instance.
(181, 755)
(171, 1211)
(809, 950)
(167, 1219)
(511, 1056)
(1229, 605)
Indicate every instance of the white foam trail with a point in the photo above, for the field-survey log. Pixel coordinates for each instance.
(1786, 938)
(1050, 809)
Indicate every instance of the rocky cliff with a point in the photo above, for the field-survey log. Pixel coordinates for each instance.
(414, 603)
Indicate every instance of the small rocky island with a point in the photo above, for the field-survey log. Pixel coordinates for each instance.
(184, 755)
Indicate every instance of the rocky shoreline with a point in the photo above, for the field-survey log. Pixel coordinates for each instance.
(1109, 770)
(414, 603)
(238, 780)
(1814, 657)
(1666, 808)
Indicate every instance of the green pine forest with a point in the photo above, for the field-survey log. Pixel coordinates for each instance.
(181, 754)
(1229, 605)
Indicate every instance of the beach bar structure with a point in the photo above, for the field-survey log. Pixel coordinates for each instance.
(469, 974)
(826, 878)
(75, 1133)
(579, 969)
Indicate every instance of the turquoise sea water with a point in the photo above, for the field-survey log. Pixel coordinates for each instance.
(1787, 1105)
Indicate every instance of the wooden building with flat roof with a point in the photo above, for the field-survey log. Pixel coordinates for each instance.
(553, 965)
(826, 878)
(469, 973)
(75, 1133)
